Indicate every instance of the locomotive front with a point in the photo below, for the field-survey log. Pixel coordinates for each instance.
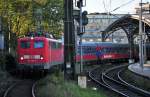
(32, 53)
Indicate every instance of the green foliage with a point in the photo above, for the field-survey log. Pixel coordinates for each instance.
(55, 86)
(52, 16)
(21, 16)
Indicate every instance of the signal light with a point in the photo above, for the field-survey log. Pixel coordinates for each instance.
(84, 18)
(32, 38)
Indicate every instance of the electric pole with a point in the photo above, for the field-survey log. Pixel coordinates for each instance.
(141, 37)
(69, 41)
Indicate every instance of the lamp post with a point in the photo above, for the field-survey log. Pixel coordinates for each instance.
(141, 37)
(145, 37)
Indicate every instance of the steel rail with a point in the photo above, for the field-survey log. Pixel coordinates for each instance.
(101, 83)
(119, 86)
(13, 86)
(142, 91)
(115, 85)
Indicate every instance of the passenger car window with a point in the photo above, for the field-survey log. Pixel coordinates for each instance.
(38, 44)
(25, 44)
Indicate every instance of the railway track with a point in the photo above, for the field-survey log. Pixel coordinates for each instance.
(109, 78)
(24, 88)
(147, 93)
(5, 84)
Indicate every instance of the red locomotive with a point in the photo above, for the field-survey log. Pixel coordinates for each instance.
(39, 52)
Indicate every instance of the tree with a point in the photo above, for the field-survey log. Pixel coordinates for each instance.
(20, 15)
(53, 16)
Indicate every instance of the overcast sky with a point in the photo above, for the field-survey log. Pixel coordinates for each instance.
(125, 6)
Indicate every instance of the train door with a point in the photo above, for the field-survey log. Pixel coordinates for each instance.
(50, 52)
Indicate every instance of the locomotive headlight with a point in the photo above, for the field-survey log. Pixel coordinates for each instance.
(41, 58)
(32, 38)
(21, 58)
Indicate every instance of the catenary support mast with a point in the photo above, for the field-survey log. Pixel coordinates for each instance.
(141, 38)
(69, 40)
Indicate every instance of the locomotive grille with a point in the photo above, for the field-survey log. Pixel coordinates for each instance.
(32, 56)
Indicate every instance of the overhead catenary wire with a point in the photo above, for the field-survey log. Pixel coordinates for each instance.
(122, 5)
(107, 5)
(110, 5)
(109, 11)
(104, 5)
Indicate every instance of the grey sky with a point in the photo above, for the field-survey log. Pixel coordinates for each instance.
(109, 5)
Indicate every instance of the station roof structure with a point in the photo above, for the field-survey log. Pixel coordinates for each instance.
(130, 24)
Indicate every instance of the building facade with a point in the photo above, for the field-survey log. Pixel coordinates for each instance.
(145, 8)
(98, 22)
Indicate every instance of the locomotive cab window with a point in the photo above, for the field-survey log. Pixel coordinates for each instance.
(38, 44)
(25, 44)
